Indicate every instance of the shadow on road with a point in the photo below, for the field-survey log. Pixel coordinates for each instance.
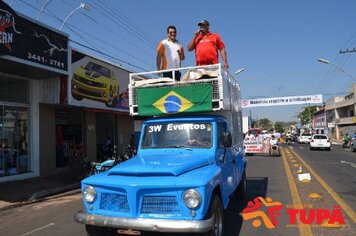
(256, 187)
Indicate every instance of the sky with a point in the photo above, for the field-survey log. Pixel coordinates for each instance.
(277, 42)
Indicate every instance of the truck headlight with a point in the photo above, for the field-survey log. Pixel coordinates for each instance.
(191, 198)
(89, 194)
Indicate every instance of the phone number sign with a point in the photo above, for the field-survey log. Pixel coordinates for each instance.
(26, 40)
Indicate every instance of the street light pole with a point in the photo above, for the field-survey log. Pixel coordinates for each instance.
(82, 5)
(321, 60)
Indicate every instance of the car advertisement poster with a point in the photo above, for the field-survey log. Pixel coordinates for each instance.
(31, 43)
(98, 84)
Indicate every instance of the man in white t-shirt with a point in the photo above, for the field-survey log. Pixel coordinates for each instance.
(273, 141)
(170, 53)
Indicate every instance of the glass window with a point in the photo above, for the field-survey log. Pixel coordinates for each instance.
(14, 153)
(222, 127)
(14, 90)
(175, 135)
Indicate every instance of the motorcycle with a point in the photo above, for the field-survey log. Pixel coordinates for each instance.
(113, 161)
(346, 144)
(274, 151)
(98, 167)
(288, 141)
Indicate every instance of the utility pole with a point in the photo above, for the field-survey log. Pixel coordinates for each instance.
(348, 51)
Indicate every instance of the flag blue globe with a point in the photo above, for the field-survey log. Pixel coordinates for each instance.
(172, 104)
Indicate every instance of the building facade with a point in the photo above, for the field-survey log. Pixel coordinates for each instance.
(319, 121)
(340, 114)
(55, 101)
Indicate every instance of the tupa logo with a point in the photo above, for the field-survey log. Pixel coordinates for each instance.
(172, 103)
(307, 216)
(253, 211)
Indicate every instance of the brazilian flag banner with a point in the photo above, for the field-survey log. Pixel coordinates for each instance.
(172, 100)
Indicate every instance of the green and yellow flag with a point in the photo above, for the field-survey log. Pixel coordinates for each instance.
(172, 100)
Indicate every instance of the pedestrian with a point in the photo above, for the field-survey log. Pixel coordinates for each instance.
(170, 53)
(207, 45)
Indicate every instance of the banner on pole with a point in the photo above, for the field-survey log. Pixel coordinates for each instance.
(278, 101)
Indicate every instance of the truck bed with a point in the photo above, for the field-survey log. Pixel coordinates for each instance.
(201, 89)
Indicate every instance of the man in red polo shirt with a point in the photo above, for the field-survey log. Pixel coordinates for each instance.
(206, 45)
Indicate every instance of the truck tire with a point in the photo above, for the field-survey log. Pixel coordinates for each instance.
(97, 230)
(240, 192)
(216, 212)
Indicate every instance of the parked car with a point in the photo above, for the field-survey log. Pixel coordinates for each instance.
(353, 144)
(304, 138)
(320, 141)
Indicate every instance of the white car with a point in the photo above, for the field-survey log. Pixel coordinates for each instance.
(304, 138)
(319, 141)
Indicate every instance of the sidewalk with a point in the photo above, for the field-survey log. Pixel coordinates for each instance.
(17, 193)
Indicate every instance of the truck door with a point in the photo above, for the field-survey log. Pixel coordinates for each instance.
(227, 162)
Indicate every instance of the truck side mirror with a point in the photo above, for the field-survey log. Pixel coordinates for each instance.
(227, 139)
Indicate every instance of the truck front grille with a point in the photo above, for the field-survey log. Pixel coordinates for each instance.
(160, 205)
(114, 202)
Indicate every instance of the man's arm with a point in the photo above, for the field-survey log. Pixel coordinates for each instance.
(224, 57)
(158, 61)
(191, 44)
(181, 54)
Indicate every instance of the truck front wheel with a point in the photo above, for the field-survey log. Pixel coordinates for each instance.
(216, 212)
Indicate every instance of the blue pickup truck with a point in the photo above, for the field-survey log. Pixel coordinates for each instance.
(187, 166)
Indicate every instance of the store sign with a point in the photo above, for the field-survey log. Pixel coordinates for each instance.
(31, 42)
(331, 125)
(277, 101)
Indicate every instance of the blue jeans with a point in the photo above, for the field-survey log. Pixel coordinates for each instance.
(170, 75)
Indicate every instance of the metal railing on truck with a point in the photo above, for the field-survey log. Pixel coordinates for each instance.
(223, 88)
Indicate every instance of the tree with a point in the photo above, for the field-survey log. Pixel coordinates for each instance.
(306, 116)
(279, 126)
(264, 124)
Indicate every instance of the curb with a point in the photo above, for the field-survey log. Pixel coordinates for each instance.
(45, 194)
(50, 192)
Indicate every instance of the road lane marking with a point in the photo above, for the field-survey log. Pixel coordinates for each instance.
(349, 163)
(38, 229)
(348, 210)
(304, 230)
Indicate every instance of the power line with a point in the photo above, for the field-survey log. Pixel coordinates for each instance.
(111, 31)
(93, 48)
(137, 28)
(107, 55)
(108, 13)
(348, 51)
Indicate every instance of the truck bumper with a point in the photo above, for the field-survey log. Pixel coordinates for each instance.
(141, 224)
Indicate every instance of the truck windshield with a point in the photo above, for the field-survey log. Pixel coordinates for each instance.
(177, 135)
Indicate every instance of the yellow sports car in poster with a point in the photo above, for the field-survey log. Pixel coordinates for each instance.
(95, 82)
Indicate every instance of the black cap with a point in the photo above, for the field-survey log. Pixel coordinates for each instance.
(203, 22)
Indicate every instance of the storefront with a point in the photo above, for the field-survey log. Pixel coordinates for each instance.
(100, 89)
(32, 59)
(55, 103)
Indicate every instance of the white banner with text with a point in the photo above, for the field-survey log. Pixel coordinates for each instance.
(278, 101)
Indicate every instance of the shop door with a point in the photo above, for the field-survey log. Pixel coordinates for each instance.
(106, 137)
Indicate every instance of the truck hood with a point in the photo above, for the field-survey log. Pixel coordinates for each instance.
(160, 165)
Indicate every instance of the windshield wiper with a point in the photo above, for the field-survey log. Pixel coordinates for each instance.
(179, 146)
